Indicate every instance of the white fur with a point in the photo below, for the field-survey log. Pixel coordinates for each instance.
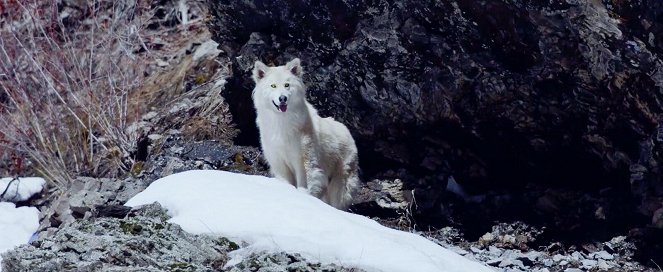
(313, 153)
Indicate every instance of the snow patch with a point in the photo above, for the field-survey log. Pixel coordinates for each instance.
(17, 225)
(20, 189)
(271, 215)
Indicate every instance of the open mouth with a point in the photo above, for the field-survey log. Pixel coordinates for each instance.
(281, 107)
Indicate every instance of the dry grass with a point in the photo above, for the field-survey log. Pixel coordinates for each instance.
(67, 74)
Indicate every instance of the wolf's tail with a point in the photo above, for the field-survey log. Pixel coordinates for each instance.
(341, 191)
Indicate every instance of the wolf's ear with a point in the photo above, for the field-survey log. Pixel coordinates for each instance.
(259, 71)
(295, 67)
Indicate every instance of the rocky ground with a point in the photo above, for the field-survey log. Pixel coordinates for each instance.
(96, 226)
(507, 246)
(140, 241)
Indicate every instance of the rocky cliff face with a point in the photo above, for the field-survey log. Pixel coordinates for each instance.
(495, 93)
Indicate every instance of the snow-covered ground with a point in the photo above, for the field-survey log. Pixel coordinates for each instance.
(271, 215)
(17, 225)
(20, 189)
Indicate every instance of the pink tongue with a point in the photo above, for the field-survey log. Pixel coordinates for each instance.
(283, 108)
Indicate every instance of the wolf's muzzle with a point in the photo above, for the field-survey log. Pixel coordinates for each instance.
(281, 106)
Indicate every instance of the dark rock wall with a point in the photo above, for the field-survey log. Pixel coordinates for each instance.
(495, 93)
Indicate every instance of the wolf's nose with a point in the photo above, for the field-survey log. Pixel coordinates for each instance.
(283, 99)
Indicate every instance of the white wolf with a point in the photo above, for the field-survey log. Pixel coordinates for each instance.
(312, 153)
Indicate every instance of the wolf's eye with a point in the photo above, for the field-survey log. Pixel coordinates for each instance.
(273, 85)
(287, 85)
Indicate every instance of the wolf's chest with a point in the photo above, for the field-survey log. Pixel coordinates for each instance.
(282, 142)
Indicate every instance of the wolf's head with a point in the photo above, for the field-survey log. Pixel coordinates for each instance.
(279, 87)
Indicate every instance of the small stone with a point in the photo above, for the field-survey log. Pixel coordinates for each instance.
(533, 255)
(617, 240)
(460, 251)
(548, 262)
(150, 115)
(486, 239)
(558, 258)
(155, 137)
(526, 261)
(563, 263)
(603, 265)
(553, 247)
(494, 262)
(541, 270)
(508, 239)
(603, 255)
(177, 149)
(589, 263)
(511, 262)
(207, 49)
(494, 251)
(577, 256)
(573, 270)
(161, 63)
(475, 250)
(174, 132)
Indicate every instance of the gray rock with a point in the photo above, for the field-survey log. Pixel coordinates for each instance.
(587, 264)
(533, 255)
(495, 251)
(603, 255)
(83, 196)
(278, 262)
(603, 265)
(548, 262)
(88, 192)
(382, 198)
(143, 241)
(558, 258)
(207, 49)
(460, 251)
(495, 261)
(475, 250)
(180, 155)
(173, 165)
(511, 263)
(486, 239)
(529, 258)
(577, 256)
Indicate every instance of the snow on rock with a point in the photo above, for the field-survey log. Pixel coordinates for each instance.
(273, 216)
(20, 189)
(16, 225)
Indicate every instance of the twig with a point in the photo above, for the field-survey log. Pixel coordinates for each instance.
(659, 268)
(7, 188)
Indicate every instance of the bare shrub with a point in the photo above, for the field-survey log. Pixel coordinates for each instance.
(66, 73)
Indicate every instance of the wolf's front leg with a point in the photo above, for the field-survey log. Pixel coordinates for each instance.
(314, 177)
(281, 171)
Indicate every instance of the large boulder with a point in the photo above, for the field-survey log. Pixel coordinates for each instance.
(495, 93)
